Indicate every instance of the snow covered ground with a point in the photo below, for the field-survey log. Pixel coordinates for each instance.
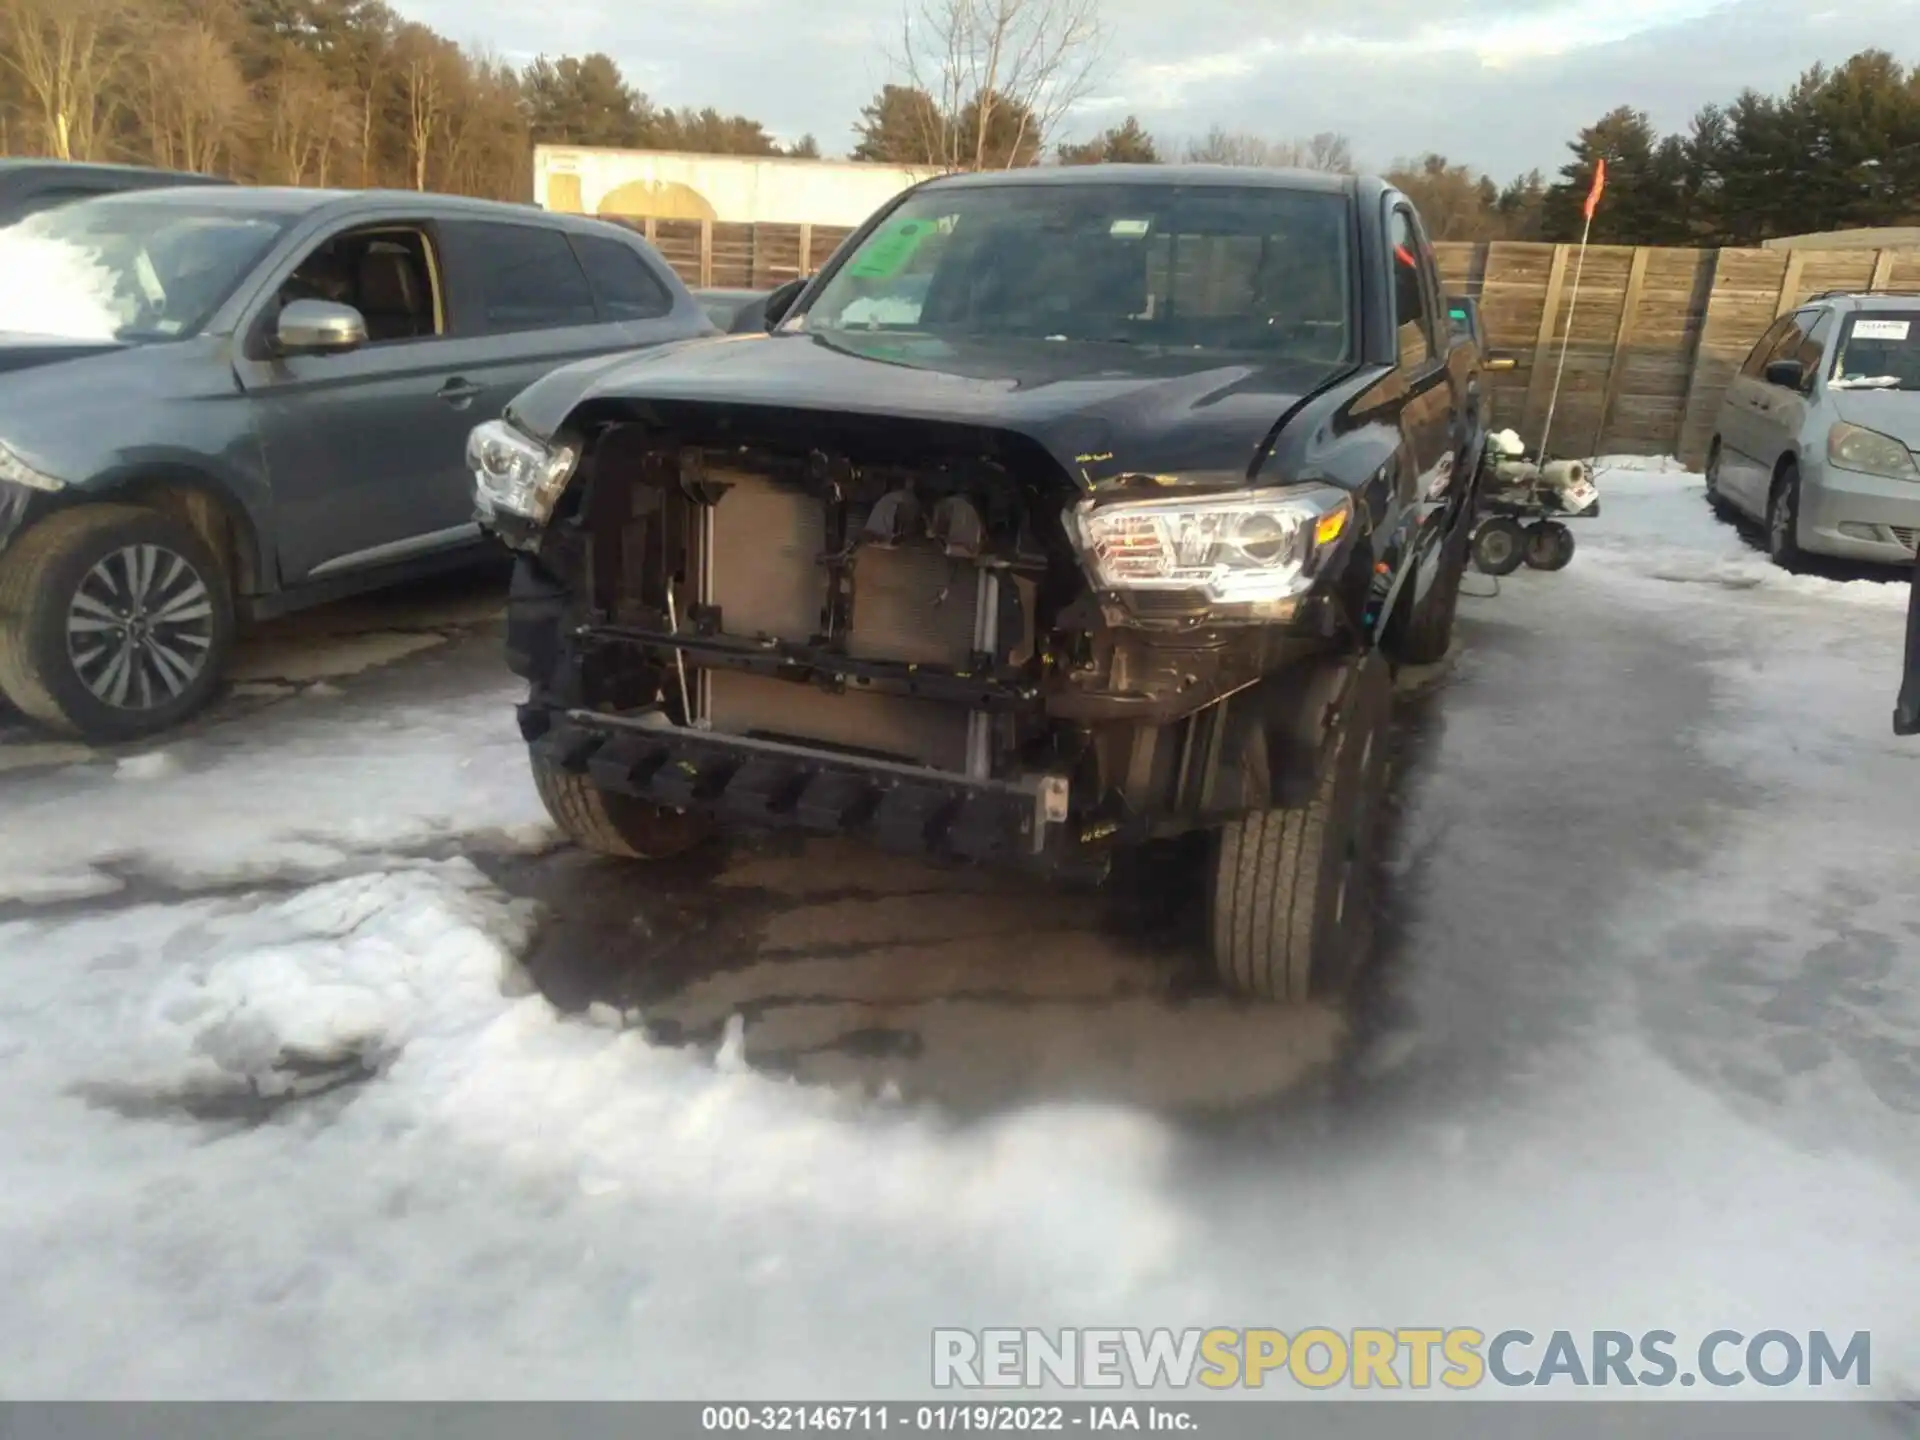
(282, 1116)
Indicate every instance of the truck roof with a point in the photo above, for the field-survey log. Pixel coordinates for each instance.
(1239, 175)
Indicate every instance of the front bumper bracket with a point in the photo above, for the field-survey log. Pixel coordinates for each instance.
(773, 785)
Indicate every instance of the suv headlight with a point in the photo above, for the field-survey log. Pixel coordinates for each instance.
(516, 473)
(1854, 447)
(1252, 551)
(13, 468)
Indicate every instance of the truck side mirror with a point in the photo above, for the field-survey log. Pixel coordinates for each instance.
(781, 300)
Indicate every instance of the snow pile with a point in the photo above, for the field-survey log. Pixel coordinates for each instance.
(154, 765)
(210, 812)
(334, 979)
(1655, 522)
(56, 289)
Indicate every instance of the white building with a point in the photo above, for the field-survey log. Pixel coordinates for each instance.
(761, 189)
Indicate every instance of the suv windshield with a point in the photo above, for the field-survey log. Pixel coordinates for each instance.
(124, 269)
(1209, 268)
(1879, 349)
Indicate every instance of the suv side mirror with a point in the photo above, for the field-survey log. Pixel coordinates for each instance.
(318, 327)
(1785, 373)
(781, 300)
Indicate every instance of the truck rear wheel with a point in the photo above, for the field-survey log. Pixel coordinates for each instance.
(609, 824)
(1292, 889)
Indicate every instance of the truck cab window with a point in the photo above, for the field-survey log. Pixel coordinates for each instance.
(1413, 320)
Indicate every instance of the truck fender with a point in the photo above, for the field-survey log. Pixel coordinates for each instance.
(1275, 735)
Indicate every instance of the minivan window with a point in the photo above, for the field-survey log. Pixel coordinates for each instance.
(622, 283)
(115, 268)
(1880, 350)
(1768, 346)
(527, 278)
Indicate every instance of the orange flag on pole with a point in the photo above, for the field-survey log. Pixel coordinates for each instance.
(1599, 184)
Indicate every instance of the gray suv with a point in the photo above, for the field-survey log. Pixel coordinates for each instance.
(258, 399)
(1817, 433)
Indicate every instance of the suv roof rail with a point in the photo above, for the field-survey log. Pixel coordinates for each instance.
(1852, 292)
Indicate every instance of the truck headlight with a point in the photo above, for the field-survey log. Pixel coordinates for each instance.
(13, 468)
(514, 472)
(1854, 447)
(1260, 549)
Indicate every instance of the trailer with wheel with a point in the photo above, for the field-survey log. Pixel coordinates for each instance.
(1523, 508)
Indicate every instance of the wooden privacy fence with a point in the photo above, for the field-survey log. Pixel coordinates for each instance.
(1657, 333)
(725, 255)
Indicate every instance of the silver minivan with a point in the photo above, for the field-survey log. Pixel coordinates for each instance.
(1817, 434)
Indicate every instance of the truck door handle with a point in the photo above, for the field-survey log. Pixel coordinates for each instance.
(459, 393)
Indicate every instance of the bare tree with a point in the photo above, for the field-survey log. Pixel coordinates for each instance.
(1325, 151)
(67, 55)
(424, 100)
(192, 97)
(1002, 73)
(306, 123)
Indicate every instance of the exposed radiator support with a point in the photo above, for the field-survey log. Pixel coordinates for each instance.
(986, 635)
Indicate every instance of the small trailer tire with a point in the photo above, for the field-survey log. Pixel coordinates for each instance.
(1499, 546)
(1549, 546)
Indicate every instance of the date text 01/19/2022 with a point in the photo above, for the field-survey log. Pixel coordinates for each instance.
(937, 1419)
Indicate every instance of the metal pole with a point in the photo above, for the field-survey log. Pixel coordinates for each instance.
(1573, 300)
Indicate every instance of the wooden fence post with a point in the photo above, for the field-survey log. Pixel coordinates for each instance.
(1882, 270)
(650, 228)
(1540, 375)
(1789, 283)
(706, 254)
(806, 247)
(1623, 333)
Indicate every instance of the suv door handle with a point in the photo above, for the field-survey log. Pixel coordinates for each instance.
(459, 392)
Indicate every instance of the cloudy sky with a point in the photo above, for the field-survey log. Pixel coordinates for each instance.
(1499, 84)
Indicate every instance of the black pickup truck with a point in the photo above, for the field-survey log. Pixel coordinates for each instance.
(1063, 510)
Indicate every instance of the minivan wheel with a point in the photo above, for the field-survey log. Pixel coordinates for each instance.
(1783, 519)
(115, 622)
(1292, 901)
(611, 824)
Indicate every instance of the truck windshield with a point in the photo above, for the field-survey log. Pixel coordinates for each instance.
(1208, 268)
(124, 269)
(1879, 350)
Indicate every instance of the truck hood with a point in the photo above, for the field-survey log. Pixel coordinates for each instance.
(26, 352)
(1099, 410)
(1891, 412)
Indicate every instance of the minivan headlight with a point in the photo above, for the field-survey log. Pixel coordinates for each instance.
(1854, 447)
(1251, 551)
(514, 472)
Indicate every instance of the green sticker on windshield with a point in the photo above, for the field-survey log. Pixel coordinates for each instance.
(885, 254)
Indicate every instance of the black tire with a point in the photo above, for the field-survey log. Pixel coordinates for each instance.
(1499, 546)
(608, 824)
(1783, 519)
(1722, 506)
(1427, 629)
(115, 622)
(1291, 911)
(1549, 545)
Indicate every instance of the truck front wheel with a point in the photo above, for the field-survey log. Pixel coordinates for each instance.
(1292, 888)
(609, 824)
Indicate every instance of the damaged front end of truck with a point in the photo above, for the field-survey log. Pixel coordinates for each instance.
(930, 635)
